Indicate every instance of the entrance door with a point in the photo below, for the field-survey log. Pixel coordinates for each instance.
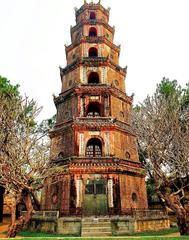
(95, 198)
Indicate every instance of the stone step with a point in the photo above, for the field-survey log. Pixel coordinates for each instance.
(104, 224)
(96, 229)
(96, 234)
(122, 233)
(95, 220)
(122, 229)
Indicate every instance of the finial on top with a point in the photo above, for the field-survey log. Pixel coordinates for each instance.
(85, 1)
(75, 8)
(91, 1)
(99, 2)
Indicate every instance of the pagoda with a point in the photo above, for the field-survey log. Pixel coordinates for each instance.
(95, 163)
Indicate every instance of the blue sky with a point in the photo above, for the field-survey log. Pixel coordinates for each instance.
(154, 38)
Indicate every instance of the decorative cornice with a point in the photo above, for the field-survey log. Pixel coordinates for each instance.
(88, 39)
(58, 128)
(101, 89)
(92, 124)
(101, 164)
(92, 62)
(92, 22)
(101, 124)
(92, 89)
(92, 6)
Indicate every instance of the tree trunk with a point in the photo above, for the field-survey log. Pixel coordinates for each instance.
(13, 211)
(2, 190)
(174, 203)
(183, 225)
(36, 201)
(23, 220)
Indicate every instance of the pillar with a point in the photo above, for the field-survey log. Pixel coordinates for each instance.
(107, 144)
(81, 145)
(82, 107)
(110, 193)
(79, 185)
(106, 106)
(65, 200)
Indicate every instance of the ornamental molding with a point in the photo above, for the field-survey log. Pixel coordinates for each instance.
(99, 40)
(92, 62)
(92, 22)
(92, 6)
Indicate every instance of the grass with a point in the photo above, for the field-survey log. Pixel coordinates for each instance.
(42, 234)
(109, 238)
(149, 233)
(152, 235)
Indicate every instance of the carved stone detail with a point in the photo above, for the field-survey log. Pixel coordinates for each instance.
(79, 187)
(81, 145)
(110, 193)
(107, 144)
(81, 106)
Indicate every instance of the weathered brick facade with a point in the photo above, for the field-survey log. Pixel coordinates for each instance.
(93, 146)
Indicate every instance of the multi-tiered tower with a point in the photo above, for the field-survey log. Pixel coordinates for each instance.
(96, 166)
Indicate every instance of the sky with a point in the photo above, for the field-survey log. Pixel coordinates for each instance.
(154, 38)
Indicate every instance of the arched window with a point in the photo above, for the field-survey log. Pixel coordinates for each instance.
(134, 197)
(92, 32)
(93, 109)
(93, 52)
(94, 148)
(60, 156)
(92, 15)
(127, 155)
(93, 77)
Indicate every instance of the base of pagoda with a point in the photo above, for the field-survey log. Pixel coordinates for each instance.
(50, 221)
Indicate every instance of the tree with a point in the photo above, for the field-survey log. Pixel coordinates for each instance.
(162, 125)
(24, 152)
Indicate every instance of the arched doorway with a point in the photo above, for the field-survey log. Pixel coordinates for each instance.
(93, 52)
(95, 197)
(92, 32)
(94, 148)
(94, 109)
(93, 77)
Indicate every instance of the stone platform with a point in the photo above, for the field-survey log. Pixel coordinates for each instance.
(49, 221)
(96, 227)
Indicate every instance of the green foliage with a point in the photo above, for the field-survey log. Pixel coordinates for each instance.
(7, 88)
(46, 125)
(150, 187)
(172, 92)
(185, 98)
(161, 123)
(24, 152)
(169, 88)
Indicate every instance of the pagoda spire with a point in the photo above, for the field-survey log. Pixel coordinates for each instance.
(93, 143)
